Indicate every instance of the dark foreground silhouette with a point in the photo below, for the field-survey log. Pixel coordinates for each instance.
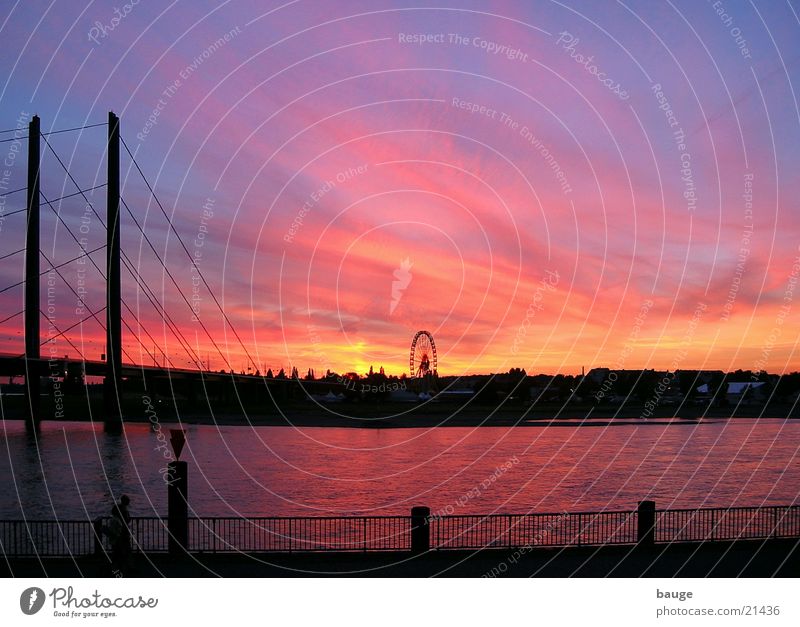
(743, 558)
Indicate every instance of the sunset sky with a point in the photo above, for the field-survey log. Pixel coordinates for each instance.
(554, 211)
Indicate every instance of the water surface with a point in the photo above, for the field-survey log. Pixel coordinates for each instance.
(71, 470)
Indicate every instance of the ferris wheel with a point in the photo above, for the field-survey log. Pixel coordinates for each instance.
(422, 360)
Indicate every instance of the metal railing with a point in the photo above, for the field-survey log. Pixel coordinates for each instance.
(394, 533)
(695, 525)
(518, 530)
(46, 537)
(250, 535)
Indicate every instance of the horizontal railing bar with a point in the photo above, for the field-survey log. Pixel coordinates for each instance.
(289, 518)
(401, 516)
(732, 508)
(556, 514)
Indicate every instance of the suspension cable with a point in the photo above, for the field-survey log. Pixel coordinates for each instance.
(172, 326)
(123, 255)
(160, 309)
(69, 328)
(74, 182)
(175, 283)
(77, 241)
(188, 254)
(11, 213)
(16, 252)
(12, 316)
(13, 191)
(61, 265)
(83, 302)
(75, 128)
(60, 334)
(63, 130)
(80, 191)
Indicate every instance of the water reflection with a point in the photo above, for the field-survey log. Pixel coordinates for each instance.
(76, 470)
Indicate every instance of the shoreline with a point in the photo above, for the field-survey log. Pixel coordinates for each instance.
(391, 415)
(425, 416)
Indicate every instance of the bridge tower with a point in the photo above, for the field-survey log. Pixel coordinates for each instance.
(113, 379)
(32, 306)
(33, 363)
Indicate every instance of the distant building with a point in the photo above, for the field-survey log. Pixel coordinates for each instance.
(598, 375)
(746, 392)
(703, 394)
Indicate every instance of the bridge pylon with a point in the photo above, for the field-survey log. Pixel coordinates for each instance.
(32, 305)
(113, 379)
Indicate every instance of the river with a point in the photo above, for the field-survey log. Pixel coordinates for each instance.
(71, 470)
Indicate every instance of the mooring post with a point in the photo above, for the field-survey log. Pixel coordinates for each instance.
(420, 529)
(32, 307)
(113, 379)
(646, 523)
(178, 507)
(177, 479)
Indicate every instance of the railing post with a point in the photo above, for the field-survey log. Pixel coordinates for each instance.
(775, 522)
(646, 523)
(420, 529)
(178, 507)
(713, 525)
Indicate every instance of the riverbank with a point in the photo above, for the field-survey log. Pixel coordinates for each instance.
(420, 420)
(743, 558)
(388, 415)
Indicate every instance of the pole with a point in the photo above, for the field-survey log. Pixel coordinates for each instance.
(32, 307)
(178, 507)
(113, 380)
(420, 529)
(646, 523)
